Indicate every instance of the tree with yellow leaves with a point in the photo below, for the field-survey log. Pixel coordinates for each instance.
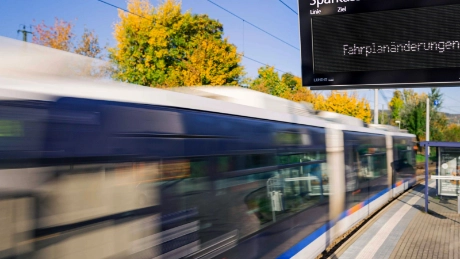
(163, 47)
(343, 103)
(396, 105)
(290, 87)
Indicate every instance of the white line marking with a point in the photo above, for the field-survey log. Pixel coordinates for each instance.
(379, 238)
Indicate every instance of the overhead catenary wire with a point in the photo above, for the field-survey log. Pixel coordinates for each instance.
(261, 63)
(451, 98)
(444, 107)
(449, 108)
(455, 100)
(240, 54)
(122, 9)
(289, 7)
(253, 25)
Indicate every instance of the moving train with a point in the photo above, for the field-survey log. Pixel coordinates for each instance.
(97, 169)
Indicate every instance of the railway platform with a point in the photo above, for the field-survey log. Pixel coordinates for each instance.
(404, 230)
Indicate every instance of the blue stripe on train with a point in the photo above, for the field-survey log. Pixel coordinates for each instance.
(320, 231)
(411, 181)
(305, 242)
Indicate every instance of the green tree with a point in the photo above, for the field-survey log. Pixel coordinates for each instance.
(436, 95)
(290, 81)
(452, 133)
(413, 114)
(438, 120)
(414, 120)
(163, 47)
(396, 105)
(268, 81)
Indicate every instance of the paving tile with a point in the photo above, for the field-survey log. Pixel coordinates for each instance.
(417, 234)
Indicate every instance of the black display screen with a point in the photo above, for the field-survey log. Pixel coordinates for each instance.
(379, 43)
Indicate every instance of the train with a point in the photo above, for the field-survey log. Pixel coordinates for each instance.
(102, 169)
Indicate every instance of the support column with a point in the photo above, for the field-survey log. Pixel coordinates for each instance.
(427, 156)
(376, 106)
(427, 133)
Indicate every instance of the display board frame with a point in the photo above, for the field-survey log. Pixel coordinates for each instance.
(402, 78)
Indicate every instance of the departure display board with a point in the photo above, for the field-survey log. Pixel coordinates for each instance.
(349, 44)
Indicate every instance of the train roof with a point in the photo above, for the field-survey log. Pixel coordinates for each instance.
(248, 97)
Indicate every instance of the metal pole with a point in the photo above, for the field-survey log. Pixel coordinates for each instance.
(24, 33)
(458, 204)
(376, 106)
(427, 133)
(382, 119)
(427, 156)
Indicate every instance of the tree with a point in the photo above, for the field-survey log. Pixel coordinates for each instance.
(396, 105)
(58, 36)
(303, 94)
(452, 133)
(343, 103)
(438, 120)
(268, 81)
(413, 114)
(207, 64)
(61, 36)
(161, 46)
(290, 81)
(89, 45)
(435, 95)
(290, 87)
(414, 120)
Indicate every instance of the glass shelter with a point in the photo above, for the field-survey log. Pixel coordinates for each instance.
(447, 173)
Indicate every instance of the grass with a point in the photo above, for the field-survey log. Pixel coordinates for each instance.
(421, 158)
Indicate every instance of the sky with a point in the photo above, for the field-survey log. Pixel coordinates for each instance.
(270, 15)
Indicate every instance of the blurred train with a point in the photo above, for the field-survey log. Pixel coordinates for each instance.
(111, 170)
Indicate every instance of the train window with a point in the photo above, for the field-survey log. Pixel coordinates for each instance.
(176, 169)
(198, 168)
(246, 161)
(11, 128)
(366, 172)
(22, 127)
(224, 164)
(259, 160)
(404, 159)
(255, 201)
(373, 166)
(84, 192)
(292, 138)
(284, 159)
(100, 202)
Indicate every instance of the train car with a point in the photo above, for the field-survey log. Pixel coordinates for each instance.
(103, 169)
(367, 165)
(181, 176)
